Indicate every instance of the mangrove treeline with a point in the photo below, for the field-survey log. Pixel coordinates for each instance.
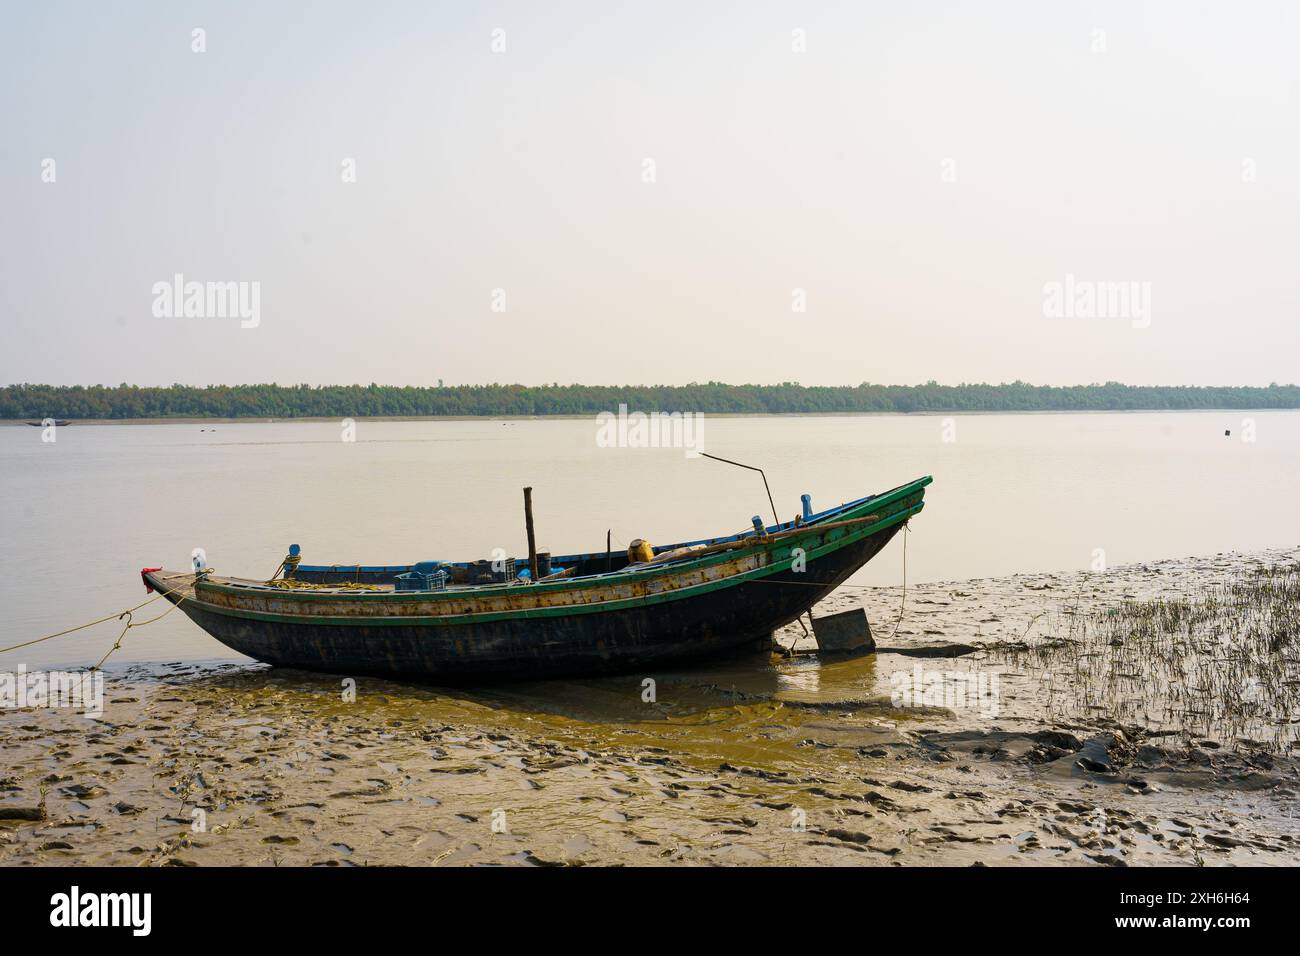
(356, 401)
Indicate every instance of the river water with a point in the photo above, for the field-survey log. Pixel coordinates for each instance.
(1024, 492)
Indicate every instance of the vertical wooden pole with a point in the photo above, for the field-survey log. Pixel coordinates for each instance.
(609, 555)
(532, 540)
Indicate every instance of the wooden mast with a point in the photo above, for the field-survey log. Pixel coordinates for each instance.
(532, 540)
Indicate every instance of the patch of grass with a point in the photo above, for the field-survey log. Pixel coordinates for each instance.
(1221, 663)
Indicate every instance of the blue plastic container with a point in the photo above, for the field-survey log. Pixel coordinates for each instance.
(426, 576)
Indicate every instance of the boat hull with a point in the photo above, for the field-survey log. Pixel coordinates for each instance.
(634, 621)
(733, 620)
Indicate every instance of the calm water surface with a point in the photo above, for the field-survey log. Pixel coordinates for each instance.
(82, 515)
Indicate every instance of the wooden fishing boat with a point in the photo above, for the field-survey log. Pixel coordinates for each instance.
(602, 613)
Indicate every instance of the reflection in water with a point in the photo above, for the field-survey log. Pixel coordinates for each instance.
(755, 711)
(801, 679)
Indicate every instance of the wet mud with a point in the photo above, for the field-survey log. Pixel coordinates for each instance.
(914, 755)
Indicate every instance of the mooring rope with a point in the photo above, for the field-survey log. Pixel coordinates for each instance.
(123, 614)
(902, 604)
(130, 624)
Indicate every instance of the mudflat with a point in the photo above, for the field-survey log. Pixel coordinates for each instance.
(1139, 715)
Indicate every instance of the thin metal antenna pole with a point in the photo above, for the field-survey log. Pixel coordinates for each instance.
(776, 518)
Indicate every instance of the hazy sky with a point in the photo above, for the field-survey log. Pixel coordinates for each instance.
(920, 171)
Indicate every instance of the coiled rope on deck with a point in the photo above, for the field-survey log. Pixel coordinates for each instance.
(293, 584)
(288, 564)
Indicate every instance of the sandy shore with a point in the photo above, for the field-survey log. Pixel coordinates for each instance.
(770, 760)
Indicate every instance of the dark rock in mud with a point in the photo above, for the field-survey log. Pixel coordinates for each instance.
(1223, 842)
(1106, 753)
(34, 814)
(82, 792)
(931, 650)
(911, 787)
(1106, 859)
(1046, 754)
(1094, 766)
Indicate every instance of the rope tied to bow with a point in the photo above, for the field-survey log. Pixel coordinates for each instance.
(128, 615)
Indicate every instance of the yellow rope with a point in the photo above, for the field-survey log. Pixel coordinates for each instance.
(287, 565)
(130, 624)
(290, 564)
(123, 614)
(293, 584)
(903, 603)
(287, 584)
(79, 627)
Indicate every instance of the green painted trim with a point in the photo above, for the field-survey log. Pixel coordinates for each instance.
(866, 508)
(832, 544)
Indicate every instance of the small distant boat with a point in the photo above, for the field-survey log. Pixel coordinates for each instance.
(594, 613)
(47, 422)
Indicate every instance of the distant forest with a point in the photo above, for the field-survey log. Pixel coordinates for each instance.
(359, 401)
